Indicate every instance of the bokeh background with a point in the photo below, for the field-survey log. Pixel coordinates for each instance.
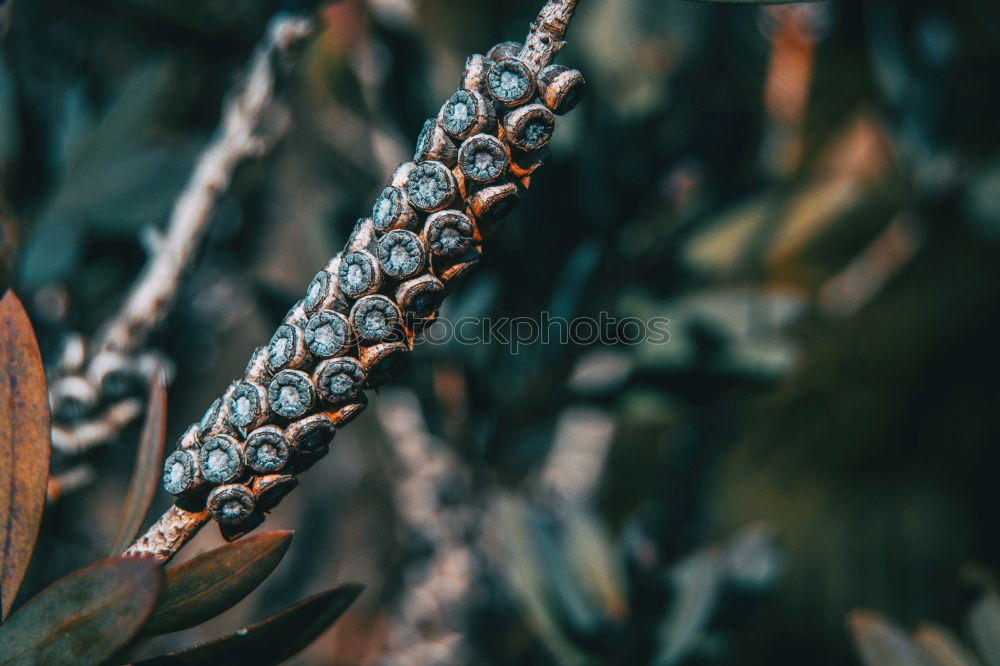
(810, 193)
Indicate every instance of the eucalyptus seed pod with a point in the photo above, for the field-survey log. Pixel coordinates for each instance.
(504, 50)
(363, 236)
(339, 379)
(327, 334)
(379, 359)
(419, 298)
(221, 459)
(270, 489)
(231, 504)
(267, 450)
(258, 368)
(291, 394)
(392, 210)
(458, 266)
(359, 274)
(402, 174)
(247, 405)
(190, 440)
(233, 531)
(297, 315)
(311, 434)
(323, 293)
(448, 233)
(492, 203)
(431, 187)
(529, 127)
(483, 158)
(401, 254)
(560, 88)
(72, 397)
(215, 420)
(433, 143)
(467, 112)
(376, 319)
(474, 74)
(113, 373)
(287, 348)
(343, 414)
(181, 473)
(510, 82)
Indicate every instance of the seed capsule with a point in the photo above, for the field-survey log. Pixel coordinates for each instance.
(376, 319)
(363, 236)
(379, 359)
(215, 420)
(113, 373)
(231, 504)
(401, 174)
(287, 348)
(430, 187)
(459, 266)
(221, 460)
(232, 532)
(419, 298)
(327, 334)
(181, 474)
(560, 88)
(474, 74)
(466, 113)
(401, 254)
(258, 370)
(190, 440)
(529, 127)
(297, 315)
(448, 232)
(271, 489)
(504, 50)
(510, 82)
(311, 434)
(339, 379)
(433, 143)
(323, 293)
(291, 394)
(483, 158)
(392, 211)
(72, 397)
(492, 203)
(247, 405)
(359, 274)
(266, 450)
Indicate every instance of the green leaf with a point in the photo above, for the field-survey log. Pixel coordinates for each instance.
(148, 460)
(85, 617)
(202, 588)
(270, 641)
(25, 442)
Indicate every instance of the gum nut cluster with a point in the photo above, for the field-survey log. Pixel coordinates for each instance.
(362, 310)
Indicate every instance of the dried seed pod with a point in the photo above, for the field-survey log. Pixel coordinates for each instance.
(291, 394)
(344, 414)
(270, 489)
(510, 82)
(232, 532)
(433, 143)
(466, 113)
(529, 127)
(327, 334)
(72, 397)
(379, 359)
(492, 203)
(247, 405)
(190, 439)
(363, 236)
(448, 232)
(430, 187)
(113, 372)
(359, 274)
(287, 348)
(401, 254)
(297, 315)
(419, 298)
(258, 368)
(231, 504)
(392, 210)
(459, 266)
(339, 379)
(483, 158)
(215, 420)
(323, 293)
(181, 473)
(376, 319)
(221, 459)
(312, 433)
(266, 450)
(474, 74)
(560, 88)
(402, 174)
(504, 50)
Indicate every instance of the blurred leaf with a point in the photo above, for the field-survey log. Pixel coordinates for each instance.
(696, 582)
(943, 647)
(880, 642)
(148, 460)
(270, 641)
(24, 445)
(594, 558)
(205, 586)
(85, 617)
(984, 627)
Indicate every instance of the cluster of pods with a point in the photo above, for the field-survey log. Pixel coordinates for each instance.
(363, 309)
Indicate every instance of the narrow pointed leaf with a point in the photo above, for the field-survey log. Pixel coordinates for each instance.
(270, 641)
(943, 647)
(880, 642)
(25, 442)
(202, 588)
(85, 617)
(148, 459)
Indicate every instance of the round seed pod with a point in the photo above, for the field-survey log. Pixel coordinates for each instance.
(270, 489)
(363, 236)
(459, 266)
(297, 315)
(504, 50)
(474, 74)
(430, 187)
(529, 127)
(287, 348)
(448, 233)
(266, 450)
(401, 254)
(401, 174)
(560, 88)
(483, 158)
(231, 504)
(379, 359)
(72, 397)
(323, 293)
(327, 334)
(247, 405)
(312, 433)
(291, 394)
(524, 164)
(181, 473)
(232, 532)
(376, 319)
(359, 274)
(258, 368)
(339, 379)
(221, 459)
(215, 420)
(510, 82)
(189, 440)
(466, 113)
(493, 202)
(392, 210)
(419, 298)
(113, 373)
(433, 143)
